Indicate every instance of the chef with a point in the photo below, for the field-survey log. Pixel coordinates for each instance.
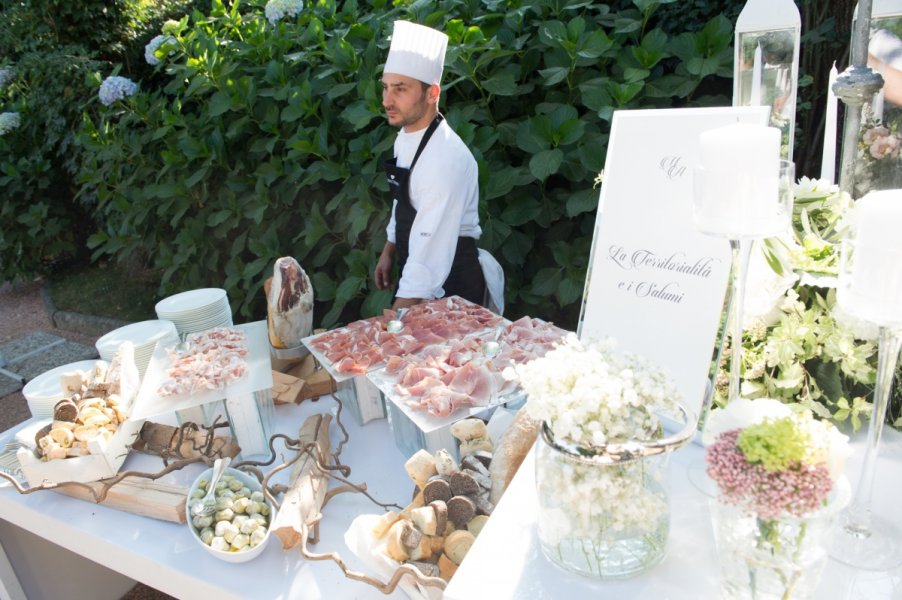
(433, 179)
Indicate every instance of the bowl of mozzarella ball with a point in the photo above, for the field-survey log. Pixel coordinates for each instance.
(240, 527)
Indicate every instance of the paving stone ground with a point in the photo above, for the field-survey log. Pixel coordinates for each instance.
(29, 345)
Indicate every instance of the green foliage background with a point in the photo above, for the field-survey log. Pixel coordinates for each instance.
(252, 140)
(267, 140)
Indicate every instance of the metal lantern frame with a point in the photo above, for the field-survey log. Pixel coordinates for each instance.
(766, 62)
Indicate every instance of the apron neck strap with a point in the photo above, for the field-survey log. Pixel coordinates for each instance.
(429, 131)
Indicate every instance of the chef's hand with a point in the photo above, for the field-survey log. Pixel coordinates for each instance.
(384, 266)
(405, 302)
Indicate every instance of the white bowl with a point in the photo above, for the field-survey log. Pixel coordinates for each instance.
(243, 555)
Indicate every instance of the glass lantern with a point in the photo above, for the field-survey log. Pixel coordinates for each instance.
(766, 63)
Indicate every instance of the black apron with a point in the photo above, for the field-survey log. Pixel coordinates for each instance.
(465, 279)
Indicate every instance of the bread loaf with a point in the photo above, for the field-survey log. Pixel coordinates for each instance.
(514, 446)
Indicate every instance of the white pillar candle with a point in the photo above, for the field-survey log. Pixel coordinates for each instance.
(828, 158)
(877, 104)
(871, 277)
(737, 191)
(757, 76)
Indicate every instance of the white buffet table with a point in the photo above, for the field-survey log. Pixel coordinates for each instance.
(164, 556)
(505, 562)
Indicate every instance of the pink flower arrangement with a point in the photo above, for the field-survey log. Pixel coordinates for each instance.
(797, 490)
(881, 142)
(773, 461)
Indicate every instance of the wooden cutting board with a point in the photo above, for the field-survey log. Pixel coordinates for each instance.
(139, 496)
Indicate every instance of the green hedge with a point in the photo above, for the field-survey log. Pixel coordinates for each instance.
(49, 50)
(267, 140)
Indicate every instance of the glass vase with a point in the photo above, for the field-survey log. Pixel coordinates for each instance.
(776, 558)
(603, 519)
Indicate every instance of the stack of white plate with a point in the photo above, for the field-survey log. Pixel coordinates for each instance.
(143, 335)
(196, 310)
(44, 391)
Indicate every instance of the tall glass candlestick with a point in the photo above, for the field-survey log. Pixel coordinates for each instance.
(870, 288)
(738, 273)
(743, 192)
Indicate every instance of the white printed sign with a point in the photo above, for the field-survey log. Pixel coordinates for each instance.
(655, 283)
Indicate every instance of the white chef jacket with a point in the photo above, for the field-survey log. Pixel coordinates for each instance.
(444, 190)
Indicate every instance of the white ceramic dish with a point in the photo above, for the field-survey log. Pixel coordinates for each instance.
(142, 334)
(193, 302)
(233, 557)
(44, 391)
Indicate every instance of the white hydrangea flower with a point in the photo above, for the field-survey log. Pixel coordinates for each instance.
(6, 75)
(590, 395)
(152, 46)
(277, 9)
(9, 121)
(115, 88)
(170, 27)
(808, 188)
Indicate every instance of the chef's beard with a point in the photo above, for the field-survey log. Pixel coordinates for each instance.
(412, 116)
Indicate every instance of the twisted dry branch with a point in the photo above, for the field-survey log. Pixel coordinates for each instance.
(384, 587)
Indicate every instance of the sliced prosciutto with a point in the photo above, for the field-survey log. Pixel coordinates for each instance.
(367, 344)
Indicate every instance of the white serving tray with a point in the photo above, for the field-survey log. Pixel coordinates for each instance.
(259, 377)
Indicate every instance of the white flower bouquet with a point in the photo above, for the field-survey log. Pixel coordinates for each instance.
(589, 395)
(600, 514)
(779, 474)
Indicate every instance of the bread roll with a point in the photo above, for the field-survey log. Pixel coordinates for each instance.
(444, 462)
(460, 510)
(420, 467)
(458, 544)
(403, 537)
(476, 524)
(425, 520)
(441, 516)
(446, 567)
(437, 489)
(423, 550)
(384, 523)
(514, 446)
(463, 484)
(469, 429)
(417, 502)
(474, 446)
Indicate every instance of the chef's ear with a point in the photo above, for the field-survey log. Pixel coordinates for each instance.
(433, 93)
